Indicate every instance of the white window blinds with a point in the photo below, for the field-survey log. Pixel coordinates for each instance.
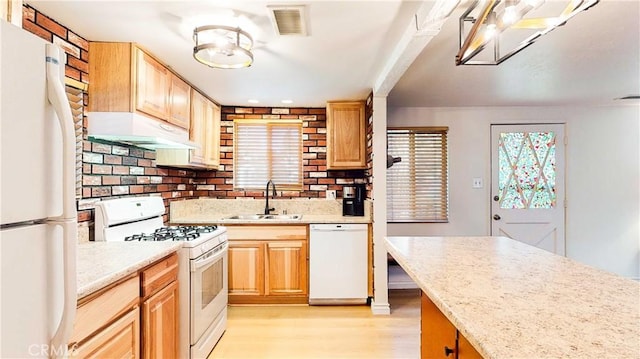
(267, 149)
(417, 189)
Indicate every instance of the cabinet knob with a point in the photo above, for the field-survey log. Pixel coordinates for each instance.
(496, 217)
(448, 351)
(496, 198)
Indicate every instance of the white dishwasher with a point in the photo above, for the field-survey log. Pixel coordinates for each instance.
(338, 264)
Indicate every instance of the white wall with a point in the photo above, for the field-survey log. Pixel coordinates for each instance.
(603, 176)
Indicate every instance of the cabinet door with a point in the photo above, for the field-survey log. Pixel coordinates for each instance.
(466, 350)
(152, 86)
(119, 340)
(160, 324)
(438, 335)
(286, 268)
(346, 135)
(212, 136)
(246, 268)
(179, 102)
(197, 131)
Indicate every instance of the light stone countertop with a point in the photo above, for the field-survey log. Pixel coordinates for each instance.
(102, 263)
(512, 300)
(214, 211)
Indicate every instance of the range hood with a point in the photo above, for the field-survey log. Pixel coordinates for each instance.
(137, 130)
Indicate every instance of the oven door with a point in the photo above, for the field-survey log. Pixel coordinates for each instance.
(209, 289)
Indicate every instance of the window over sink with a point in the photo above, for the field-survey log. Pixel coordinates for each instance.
(266, 150)
(417, 187)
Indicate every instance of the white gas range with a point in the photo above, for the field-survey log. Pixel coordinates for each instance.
(202, 265)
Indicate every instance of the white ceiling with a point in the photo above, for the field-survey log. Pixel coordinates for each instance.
(594, 58)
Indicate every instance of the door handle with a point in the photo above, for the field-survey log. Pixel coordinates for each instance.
(496, 217)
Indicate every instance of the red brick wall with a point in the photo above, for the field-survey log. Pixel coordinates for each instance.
(317, 180)
(76, 47)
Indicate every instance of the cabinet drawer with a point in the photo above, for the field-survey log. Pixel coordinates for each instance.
(104, 307)
(267, 232)
(159, 275)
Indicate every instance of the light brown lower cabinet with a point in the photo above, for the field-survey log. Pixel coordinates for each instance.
(110, 324)
(268, 265)
(160, 318)
(121, 339)
(439, 338)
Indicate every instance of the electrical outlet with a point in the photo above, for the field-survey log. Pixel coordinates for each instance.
(477, 182)
(330, 194)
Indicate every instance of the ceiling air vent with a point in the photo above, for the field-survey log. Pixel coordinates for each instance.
(289, 20)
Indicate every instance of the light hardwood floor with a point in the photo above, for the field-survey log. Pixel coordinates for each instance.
(318, 332)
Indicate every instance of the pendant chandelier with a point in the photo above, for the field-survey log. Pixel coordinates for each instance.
(222, 47)
(504, 27)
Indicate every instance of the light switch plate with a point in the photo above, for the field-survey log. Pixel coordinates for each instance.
(330, 194)
(477, 182)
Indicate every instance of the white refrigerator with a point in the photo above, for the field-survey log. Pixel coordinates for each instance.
(38, 233)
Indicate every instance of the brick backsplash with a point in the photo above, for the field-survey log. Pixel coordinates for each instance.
(114, 170)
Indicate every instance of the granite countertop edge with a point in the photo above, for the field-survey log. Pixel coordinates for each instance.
(100, 264)
(306, 219)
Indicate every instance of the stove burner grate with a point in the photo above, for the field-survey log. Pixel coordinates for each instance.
(173, 233)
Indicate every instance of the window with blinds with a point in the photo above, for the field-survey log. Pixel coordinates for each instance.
(417, 188)
(267, 150)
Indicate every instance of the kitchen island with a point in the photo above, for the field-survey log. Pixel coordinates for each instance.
(512, 300)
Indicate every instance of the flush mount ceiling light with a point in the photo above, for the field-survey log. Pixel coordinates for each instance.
(511, 25)
(222, 47)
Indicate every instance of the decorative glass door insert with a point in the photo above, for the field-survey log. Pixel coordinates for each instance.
(527, 170)
(527, 184)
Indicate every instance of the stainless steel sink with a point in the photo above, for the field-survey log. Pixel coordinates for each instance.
(283, 217)
(268, 217)
(251, 217)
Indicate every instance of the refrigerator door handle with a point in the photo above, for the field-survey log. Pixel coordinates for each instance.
(58, 98)
(55, 59)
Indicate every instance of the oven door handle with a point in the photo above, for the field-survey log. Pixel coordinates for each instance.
(209, 258)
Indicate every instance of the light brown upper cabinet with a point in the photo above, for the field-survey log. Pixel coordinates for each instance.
(346, 135)
(204, 131)
(124, 78)
(179, 102)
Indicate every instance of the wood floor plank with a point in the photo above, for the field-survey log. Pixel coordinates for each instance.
(318, 332)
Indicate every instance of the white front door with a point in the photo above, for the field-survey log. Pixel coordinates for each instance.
(527, 184)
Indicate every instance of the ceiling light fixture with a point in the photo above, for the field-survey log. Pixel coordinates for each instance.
(222, 47)
(509, 25)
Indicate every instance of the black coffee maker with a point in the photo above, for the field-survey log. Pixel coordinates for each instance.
(353, 199)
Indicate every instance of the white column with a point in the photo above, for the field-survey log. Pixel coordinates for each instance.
(380, 304)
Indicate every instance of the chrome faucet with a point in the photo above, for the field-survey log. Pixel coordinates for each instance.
(268, 210)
